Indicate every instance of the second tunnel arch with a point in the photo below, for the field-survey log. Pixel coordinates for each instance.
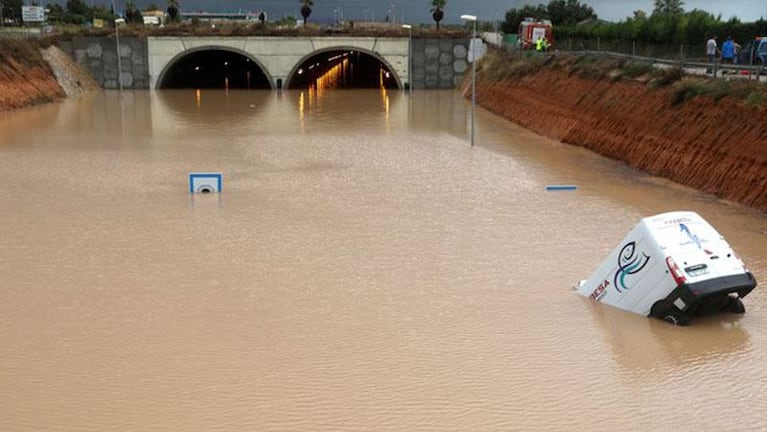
(292, 80)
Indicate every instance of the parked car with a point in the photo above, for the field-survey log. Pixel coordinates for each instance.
(754, 52)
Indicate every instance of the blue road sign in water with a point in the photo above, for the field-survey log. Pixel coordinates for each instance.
(206, 182)
(561, 187)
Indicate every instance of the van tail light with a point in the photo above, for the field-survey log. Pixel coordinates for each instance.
(675, 271)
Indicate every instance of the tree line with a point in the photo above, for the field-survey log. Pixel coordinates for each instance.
(667, 23)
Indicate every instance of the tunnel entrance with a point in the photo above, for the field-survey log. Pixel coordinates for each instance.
(214, 69)
(343, 69)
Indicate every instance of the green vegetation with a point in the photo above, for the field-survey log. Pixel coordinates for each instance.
(79, 12)
(23, 51)
(437, 10)
(132, 14)
(174, 11)
(691, 28)
(560, 12)
(306, 9)
(664, 77)
(668, 7)
(11, 10)
(500, 65)
(284, 27)
(756, 98)
(668, 23)
(634, 69)
(750, 93)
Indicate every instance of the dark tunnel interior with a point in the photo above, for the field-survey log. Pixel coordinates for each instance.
(215, 69)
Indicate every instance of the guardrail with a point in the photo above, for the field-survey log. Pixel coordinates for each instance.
(20, 33)
(716, 69)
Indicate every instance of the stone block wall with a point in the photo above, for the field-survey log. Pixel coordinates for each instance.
(99, 56)
(439, 63)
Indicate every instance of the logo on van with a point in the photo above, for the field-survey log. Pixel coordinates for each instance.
(629, 263)
(693, 238)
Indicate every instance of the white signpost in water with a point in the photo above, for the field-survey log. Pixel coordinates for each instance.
(471, 57)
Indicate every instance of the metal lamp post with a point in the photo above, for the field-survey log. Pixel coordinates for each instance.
(472, 54)
(119, 60)
(117, 22)
(409, 56)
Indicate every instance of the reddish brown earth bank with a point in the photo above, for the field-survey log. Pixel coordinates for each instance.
(716, 147)
(25, 78)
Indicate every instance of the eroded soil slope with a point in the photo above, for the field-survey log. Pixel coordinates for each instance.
(717, 147)
(25, 78)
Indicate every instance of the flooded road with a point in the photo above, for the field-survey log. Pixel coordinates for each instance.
(364, 269)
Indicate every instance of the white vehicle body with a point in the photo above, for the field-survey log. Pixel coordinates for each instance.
(671, 266)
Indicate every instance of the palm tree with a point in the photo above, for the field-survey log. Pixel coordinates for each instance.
(173, 10)
(668, 7)
(436, 10)
(306, 9)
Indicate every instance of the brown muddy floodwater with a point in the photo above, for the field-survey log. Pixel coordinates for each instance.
(364, 270)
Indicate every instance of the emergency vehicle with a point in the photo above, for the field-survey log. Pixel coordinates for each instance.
(530, 30)
(671, 266)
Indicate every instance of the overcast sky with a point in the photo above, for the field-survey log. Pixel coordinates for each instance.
(418, 10)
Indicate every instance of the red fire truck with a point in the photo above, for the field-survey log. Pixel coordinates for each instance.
(530, 30)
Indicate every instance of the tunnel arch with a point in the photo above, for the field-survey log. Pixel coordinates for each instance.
(262, 79)
(291, 80)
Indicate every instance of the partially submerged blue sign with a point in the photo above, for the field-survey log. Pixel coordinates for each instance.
(561, 187)
(205, 182)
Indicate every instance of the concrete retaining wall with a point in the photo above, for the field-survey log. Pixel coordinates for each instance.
(436, 63)
(99, 56)
(439, 63)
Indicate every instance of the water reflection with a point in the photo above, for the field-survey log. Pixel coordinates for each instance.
(641, 343)
(225, 108)
(313, 108)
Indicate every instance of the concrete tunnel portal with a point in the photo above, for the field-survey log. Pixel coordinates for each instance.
(222, 68)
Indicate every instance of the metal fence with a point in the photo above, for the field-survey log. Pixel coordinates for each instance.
(695, 67)
(692, 59)
(661, 51)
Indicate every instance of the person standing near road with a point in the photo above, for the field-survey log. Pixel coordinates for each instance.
(711, 49)
(728, 51)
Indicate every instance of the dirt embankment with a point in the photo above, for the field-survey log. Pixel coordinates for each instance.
(31, 74)
(717, 147)
(25, 77)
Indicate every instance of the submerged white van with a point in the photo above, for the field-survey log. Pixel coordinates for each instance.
(671, 266)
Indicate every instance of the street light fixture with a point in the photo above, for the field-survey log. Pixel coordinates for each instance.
(409, 57)
(473, 59)
(119, 21)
